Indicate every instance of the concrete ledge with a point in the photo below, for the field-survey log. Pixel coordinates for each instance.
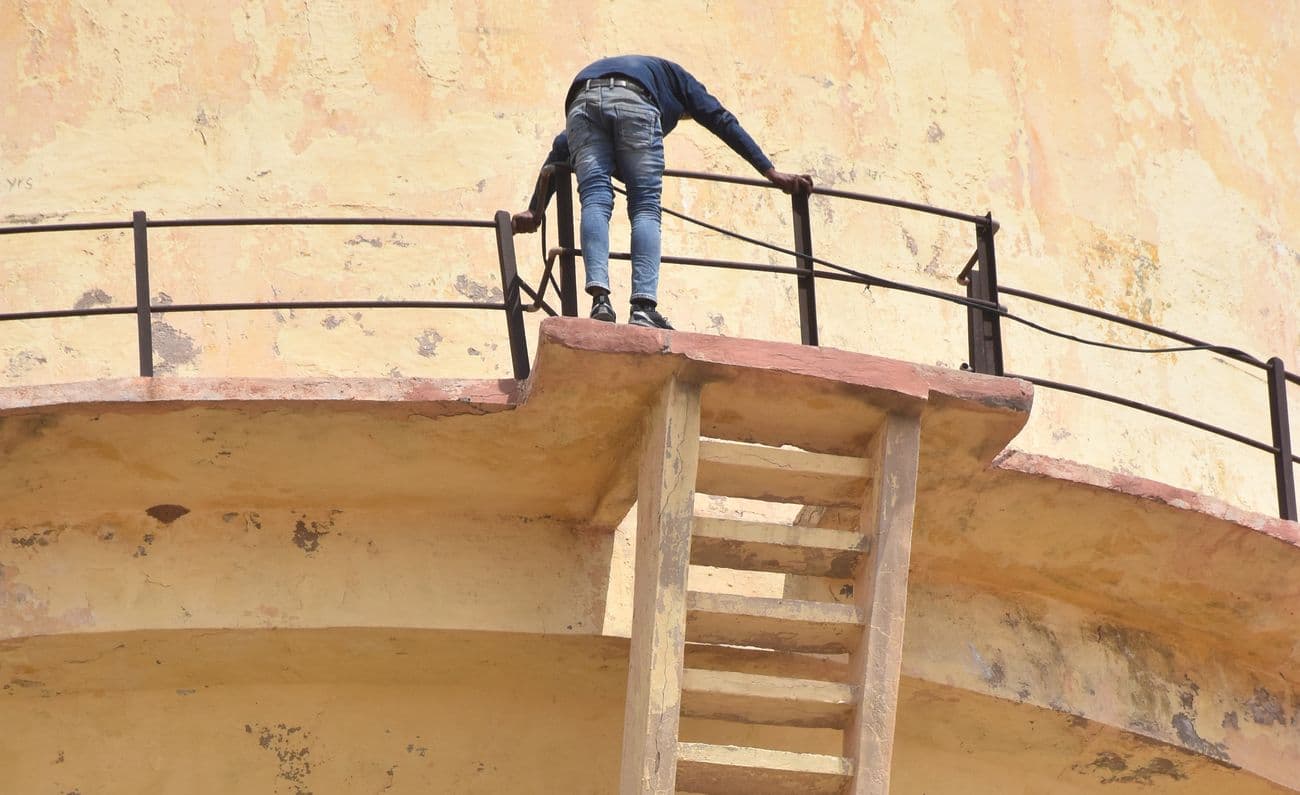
(151, 394)
(467, 447)
(1144, 489)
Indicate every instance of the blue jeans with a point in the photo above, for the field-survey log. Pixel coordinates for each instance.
(614, 131)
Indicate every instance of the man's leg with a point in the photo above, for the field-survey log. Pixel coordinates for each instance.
(639, 150)
(591, 145)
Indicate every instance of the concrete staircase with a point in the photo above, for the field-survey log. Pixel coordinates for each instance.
(747, 659)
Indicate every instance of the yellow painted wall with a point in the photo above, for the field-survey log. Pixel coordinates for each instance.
(1141, 158)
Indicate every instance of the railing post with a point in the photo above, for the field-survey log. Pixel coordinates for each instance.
(1281, 439)
(984, 327)
(807, 281)
(143, 319)
(564, 232)
(510, 292)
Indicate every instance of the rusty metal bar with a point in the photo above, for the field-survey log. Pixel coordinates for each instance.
(86, 227)
(143, 321)
(869, 281)
(1137, 324)
(1159, 412)
(1282, 457)
(989, 266)
(249, 305)
(466, 223)
(57, 313)
(975, 353)
(510, 289)
(963, 277)
(538, 302)
(565, 235)
(807, 281)
(978, 220)
(984, 328)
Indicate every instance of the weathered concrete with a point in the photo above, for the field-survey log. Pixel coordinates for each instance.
(1103, 629)
(409, 712)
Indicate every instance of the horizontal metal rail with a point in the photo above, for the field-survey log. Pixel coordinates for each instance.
(86, 227)
(57, 313)
(467, 223)
(1159, 412)
(243, 305)
(978, 220)
(1137, 324)
(831, 275)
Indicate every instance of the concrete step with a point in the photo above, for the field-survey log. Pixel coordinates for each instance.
(782, 624)
(761, 546)
(733, 469)
(772, 700)
(734, 770)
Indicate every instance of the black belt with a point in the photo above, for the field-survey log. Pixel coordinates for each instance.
(615, 82)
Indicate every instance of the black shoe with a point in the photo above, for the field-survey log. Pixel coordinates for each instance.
(648, 316)
(602, 310)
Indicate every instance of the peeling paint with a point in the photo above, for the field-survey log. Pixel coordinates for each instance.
(93, 298)
(1265, 709)
(1109, 760)
(39, 538)
(291, 746)
(428, 342)
(476, 291)
(307, 533)
(172, 348)
(23, 362)
(1188, 736)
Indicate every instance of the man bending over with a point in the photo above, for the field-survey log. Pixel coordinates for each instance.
(618, 111)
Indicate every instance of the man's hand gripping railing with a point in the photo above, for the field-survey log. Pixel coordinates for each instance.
(527, 222)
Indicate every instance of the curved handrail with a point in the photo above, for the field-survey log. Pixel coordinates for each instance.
(834, 193)
(981, 299)
(145, 308)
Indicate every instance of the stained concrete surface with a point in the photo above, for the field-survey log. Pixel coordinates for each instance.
(1112, 631)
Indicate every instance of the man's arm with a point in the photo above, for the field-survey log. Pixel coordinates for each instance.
(710, 113)
(528, 220)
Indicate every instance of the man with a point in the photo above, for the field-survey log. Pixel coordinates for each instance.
(618, 111)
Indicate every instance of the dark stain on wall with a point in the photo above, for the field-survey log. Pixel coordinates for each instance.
(1159, 766)
(1189, 737)
(1109, 760)
(1116, 768)
(1265, 708)
(476, 291)
(307, 533)
(167, 513)
(93, 298)
(172, 347)
(36, 538)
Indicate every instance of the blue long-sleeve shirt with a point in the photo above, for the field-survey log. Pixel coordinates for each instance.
(677, 94)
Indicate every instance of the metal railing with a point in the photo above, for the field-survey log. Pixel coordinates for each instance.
(985, 311)
(982, 298)
(144, 309)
